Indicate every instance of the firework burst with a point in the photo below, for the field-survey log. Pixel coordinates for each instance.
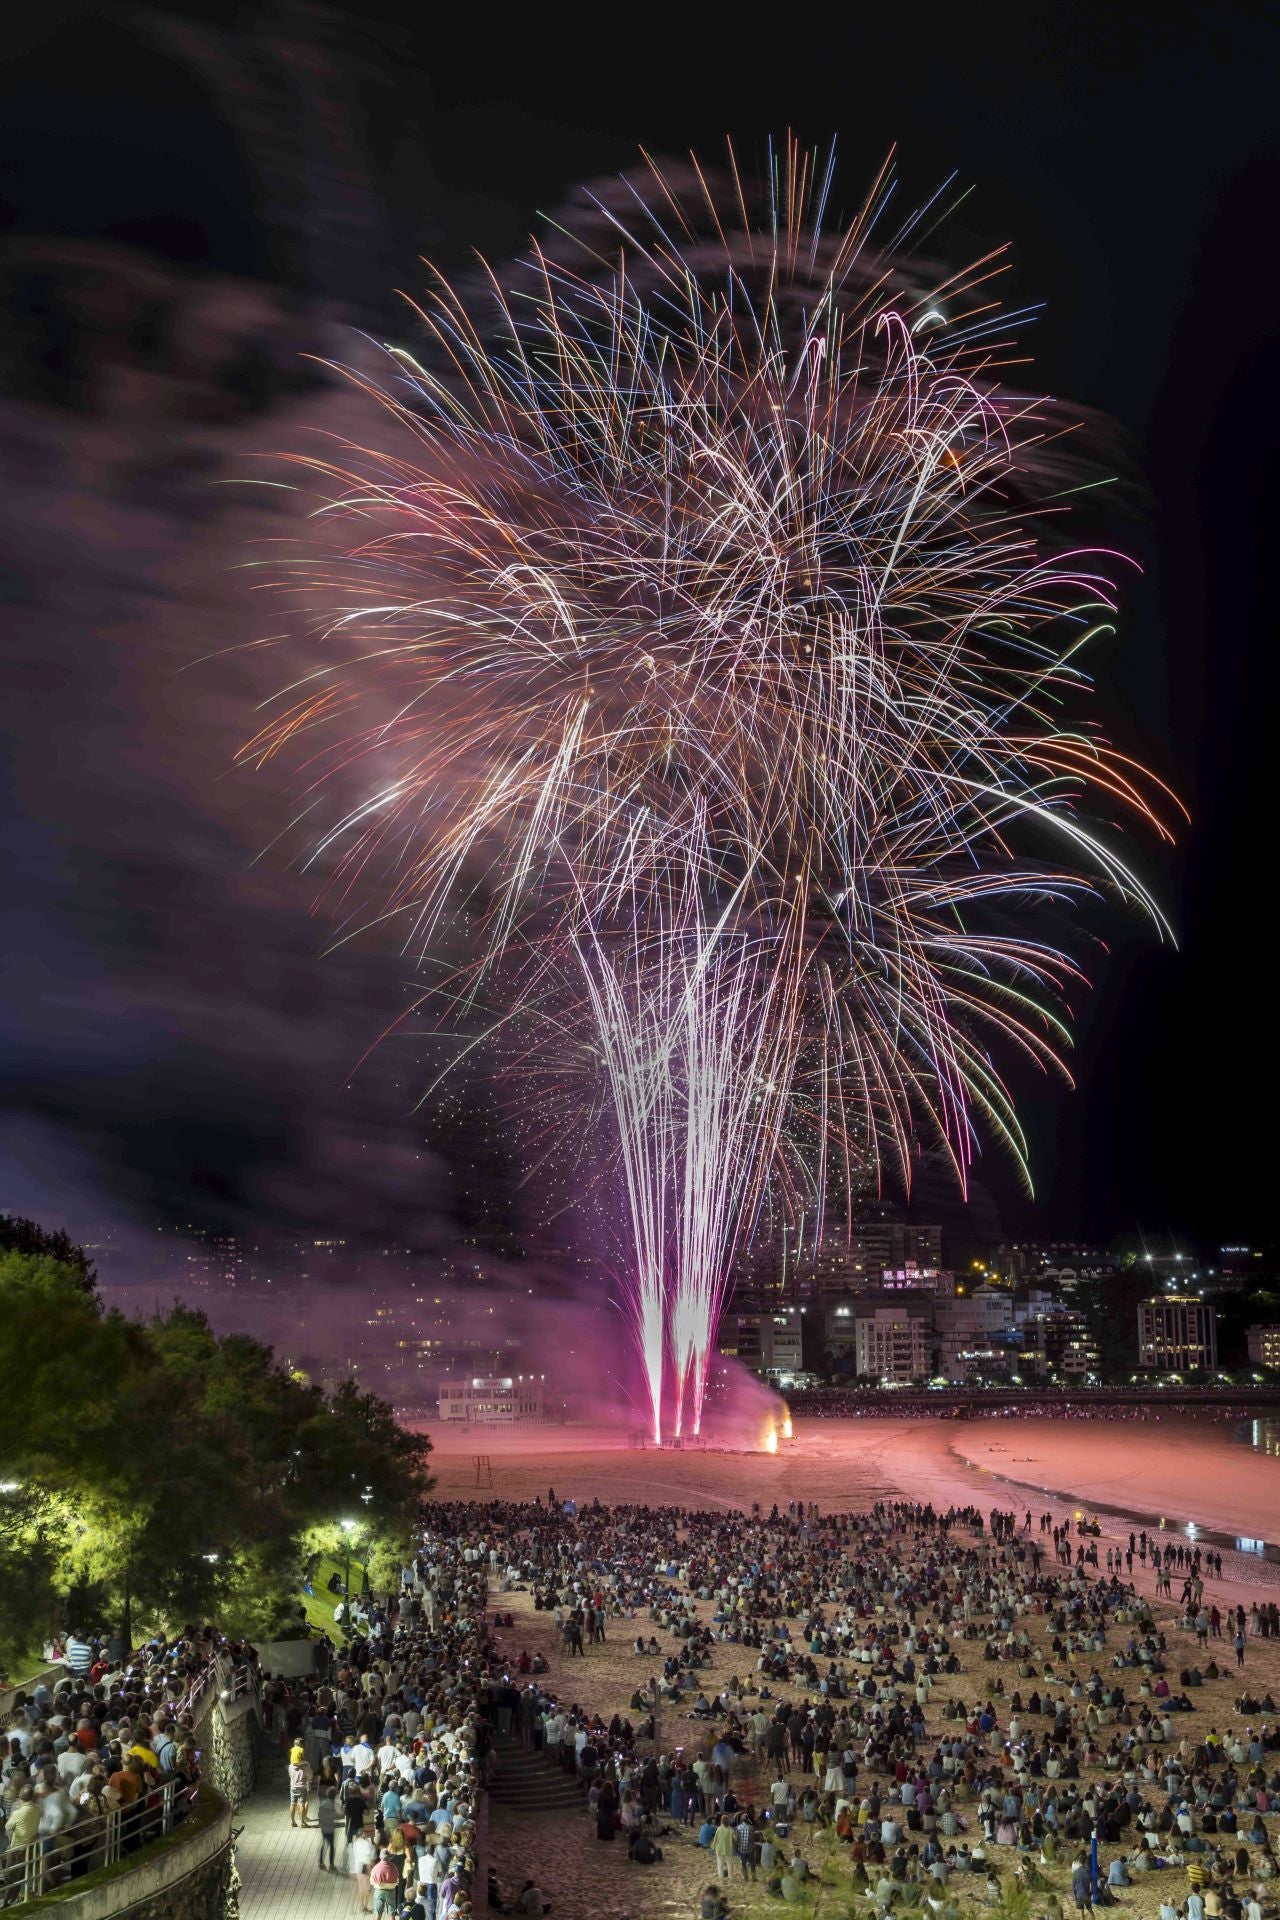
(715, 636)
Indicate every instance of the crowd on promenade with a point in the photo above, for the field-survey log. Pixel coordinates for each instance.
(388, 1751)
(105, 1735)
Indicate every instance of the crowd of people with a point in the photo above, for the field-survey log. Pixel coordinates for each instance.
(871, 1401)
(934, 1694)
(945, 1703)
(106, 1736)
(388, 1752)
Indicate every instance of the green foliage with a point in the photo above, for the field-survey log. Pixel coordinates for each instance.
(1237, 1312)
(167, 1471)
(387, 1555)
(1015, 1902)
(30, 1550)
(25, 1237)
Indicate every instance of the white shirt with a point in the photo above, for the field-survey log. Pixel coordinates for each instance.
(57, 1811)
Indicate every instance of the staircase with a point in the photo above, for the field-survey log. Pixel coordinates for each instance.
(527, 1782)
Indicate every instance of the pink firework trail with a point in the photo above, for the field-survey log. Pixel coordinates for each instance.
(714, 634)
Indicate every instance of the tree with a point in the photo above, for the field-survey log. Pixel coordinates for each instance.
(32, 1538)
(185, 1468)
(1110, 1303)
(26, 1237)
(1237, 1312)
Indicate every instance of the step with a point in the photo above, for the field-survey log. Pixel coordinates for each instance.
(536, 1801)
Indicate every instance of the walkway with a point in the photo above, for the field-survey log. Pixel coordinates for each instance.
(279, 1876)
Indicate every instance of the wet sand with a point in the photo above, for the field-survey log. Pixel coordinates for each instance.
(1170, 1469)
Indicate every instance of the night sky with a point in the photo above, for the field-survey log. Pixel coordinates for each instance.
(170, 1038)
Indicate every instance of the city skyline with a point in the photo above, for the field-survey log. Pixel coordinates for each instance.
(890, 1305)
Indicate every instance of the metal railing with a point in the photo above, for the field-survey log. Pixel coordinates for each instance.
(197, 1689)
(231, 1683)
(236, 1682)
(96, 1840)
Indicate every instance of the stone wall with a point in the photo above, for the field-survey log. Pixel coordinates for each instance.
(182, 1878)
(202, 1895)
(233, 1735)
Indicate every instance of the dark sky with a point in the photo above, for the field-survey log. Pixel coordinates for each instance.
(168, 1025)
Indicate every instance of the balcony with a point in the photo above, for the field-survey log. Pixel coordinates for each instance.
(106, 1865)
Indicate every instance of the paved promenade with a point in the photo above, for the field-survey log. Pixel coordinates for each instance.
(279, 1876)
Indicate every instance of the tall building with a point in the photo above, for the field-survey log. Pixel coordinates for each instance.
(767, 1340)
(892, 1246)
(1177, 1333)
(973, 1333)
(808, 1272)
(1058, 1345)
(1264, 1346)
(892, 1344)
(840, 1318)
(858, 1258)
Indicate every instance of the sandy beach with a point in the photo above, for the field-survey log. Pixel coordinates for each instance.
(1170, 1469)
(1179, 1469)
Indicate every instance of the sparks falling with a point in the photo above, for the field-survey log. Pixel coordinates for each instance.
(711, 635)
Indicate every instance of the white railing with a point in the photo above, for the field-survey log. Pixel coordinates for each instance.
(231, 1683)
(96, 1841)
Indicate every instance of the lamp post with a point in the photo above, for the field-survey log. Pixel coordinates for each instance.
(347, 1528)
(367, 1497)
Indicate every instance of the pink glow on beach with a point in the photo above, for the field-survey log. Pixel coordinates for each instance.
(1175, 1469)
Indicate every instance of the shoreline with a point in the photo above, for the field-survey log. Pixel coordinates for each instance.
(1171, 1474)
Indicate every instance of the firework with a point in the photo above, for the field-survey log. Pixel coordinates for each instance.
(714, 638)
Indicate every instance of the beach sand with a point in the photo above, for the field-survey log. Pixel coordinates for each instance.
(1181, 1469)
(1178, 1470)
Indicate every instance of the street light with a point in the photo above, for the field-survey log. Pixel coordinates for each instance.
(348, 1527)
(367, 1497)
